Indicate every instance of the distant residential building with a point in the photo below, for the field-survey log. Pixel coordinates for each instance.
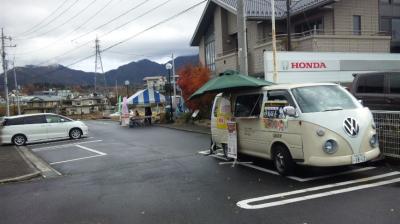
(155, 82)
(43, 104)
(87, 105)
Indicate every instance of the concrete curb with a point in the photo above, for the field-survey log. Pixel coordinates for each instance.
(21, 178)
(38, 163)
(183, 129)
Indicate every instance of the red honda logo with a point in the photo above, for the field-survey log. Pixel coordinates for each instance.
(312, 65)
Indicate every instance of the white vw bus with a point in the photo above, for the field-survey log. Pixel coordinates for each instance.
(308, 124)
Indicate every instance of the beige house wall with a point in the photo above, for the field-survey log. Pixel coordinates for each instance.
(367, 9)
(338, 17)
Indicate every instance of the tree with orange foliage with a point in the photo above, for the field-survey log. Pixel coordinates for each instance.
(191, 78)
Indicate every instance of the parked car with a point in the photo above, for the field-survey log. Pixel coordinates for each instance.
(378, 91)
(22, 129)
(307, 124)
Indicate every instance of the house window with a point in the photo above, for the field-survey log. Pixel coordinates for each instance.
(396, 29)
(210, 48)
(307, 26)
(357, 25)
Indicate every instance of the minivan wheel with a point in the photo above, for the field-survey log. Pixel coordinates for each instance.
(283, 161)
(75, 133)
(19, 140)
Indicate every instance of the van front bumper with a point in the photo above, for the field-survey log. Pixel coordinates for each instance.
(339, 160)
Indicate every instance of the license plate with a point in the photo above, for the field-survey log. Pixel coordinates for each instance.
(358, 158)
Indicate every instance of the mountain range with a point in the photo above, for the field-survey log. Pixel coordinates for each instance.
(64, 76)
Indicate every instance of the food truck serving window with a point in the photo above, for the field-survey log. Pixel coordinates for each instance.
(248, 105)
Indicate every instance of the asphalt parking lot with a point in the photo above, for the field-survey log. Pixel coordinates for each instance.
(159, 175)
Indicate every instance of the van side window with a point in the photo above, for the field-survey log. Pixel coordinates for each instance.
(371, 83)
(39, 119)
(395, 83)
(248, 105)
(281, 95)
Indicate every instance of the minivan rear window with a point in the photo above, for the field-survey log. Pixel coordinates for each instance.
(371, 83)
(395, 83)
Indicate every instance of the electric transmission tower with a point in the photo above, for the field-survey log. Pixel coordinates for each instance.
(99, 67)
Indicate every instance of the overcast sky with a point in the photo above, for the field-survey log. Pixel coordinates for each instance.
(45, 35)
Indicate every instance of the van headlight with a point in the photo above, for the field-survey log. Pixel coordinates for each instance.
(330, 146)
(374, 141)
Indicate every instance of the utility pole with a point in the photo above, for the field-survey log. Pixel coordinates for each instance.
(242, 38)
(3, 58)
(99, 66)
(16, 88)
(275, 75)
(173, 79)
(289, 40)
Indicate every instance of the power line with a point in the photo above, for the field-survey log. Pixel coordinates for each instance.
(135, 35)
(66, 36)
(42, 21)
(51, 21)
(70, 19)
(112, 20)
(82, 45)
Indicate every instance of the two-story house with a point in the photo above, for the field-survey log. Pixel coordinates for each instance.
(316, 25)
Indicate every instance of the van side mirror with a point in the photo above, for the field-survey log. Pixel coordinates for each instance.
(361, 102)
(290, 111)
(62, 120)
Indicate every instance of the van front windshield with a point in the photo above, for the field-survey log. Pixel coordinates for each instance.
(323, 98)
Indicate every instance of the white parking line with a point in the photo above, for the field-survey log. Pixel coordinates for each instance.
(91, 150)
(87, 157)
(56, 141)
(246, 203)
(62, 146)
(72, 160)
(299, 179)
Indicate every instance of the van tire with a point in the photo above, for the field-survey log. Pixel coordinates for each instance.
(75, 133)
(19, 140)
(283, 160)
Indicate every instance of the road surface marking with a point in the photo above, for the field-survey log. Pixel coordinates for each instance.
(299, 179)
(62, 146)
(91, 150)
(246, 203)
(72, 160)
(61, 140)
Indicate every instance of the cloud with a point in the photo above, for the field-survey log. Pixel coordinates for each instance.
(49, 44)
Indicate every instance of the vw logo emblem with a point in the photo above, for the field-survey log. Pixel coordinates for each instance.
(351, 127)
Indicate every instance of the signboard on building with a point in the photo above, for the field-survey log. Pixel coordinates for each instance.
(302, 67)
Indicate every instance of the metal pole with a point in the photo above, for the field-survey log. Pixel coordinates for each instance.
(275, 76)
(3, 57)
(16, 88)
(170, 95)
(289, 40)
(242, 38)
(173, 78)
(127, 93)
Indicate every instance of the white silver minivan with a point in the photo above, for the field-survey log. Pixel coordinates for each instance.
(22, 129)
(308, 124)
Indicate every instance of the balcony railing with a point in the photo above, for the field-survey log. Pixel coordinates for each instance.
(322, 32)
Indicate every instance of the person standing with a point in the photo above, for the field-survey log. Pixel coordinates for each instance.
(148, 114)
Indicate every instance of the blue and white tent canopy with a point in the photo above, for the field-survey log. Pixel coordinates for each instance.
(146, 97)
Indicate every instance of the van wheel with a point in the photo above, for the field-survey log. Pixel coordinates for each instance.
(19, 140)
(283, 160)
(75, 133)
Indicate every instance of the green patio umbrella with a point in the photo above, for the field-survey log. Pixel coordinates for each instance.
(227, 81)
